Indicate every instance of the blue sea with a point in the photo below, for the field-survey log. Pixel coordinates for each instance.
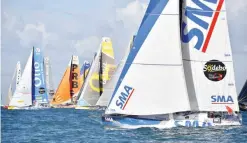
(79, 126)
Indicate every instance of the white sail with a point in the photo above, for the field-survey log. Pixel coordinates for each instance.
(23, 94)
(100, 73)
(18, 73)
(109, 87)
(207, 56)
(48, 77)
(152, 81)
(88, 97)
(75, 81)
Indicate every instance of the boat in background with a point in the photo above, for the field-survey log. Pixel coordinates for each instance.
(31, 91)
(188, 87)
(101, 70)
(242, 98)
(48, 78)
(109, 87)
(84, 70)
(68, 89)
(16, 76)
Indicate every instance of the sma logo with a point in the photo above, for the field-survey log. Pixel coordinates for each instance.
(124, 97)
(221, 99)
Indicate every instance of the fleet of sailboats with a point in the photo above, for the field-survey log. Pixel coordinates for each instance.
(176, 71)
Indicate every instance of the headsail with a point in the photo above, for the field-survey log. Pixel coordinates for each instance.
(39, 89)
(62, 94)
(152, 80)
(17, 75)
(109, 87)
(207, 56)
(23, 94)
(95, 81)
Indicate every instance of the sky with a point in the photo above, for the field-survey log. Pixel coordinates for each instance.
(62, 28)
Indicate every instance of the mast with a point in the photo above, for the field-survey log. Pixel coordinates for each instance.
(100, 75)
(70, 81)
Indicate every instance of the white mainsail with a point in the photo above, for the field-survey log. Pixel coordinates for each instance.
(48, 77)
(16, 76)
(109, 87)
(23, 93)
(207, 56)
(10, 92)
(152, 81)
(18, 73)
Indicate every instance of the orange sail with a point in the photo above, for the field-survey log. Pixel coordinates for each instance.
(62, 94)
(70, 84)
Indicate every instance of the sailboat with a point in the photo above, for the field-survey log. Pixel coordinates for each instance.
(109, 87)
(84, 70)
(176, 91)
(16, 76)
(48, 78)
(99, 74)
(242, 98)
(68, 89)
(31, 91)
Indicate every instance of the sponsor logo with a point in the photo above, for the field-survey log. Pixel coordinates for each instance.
(41, 90)
(108, 119)
(74, 78)
(189, 123)
(37, 50)
(199, 15)
(37, 75)
(221, 99)
(124, 97)
(214, 70)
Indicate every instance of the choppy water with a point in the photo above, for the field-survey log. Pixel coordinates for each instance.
(75, 126)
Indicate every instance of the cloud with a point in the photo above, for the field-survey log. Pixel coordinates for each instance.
(35, 35)
(87, 45)
(236, 8)
(132, 14)
(10, 22)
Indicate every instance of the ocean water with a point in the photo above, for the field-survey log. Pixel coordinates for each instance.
(79, 126)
